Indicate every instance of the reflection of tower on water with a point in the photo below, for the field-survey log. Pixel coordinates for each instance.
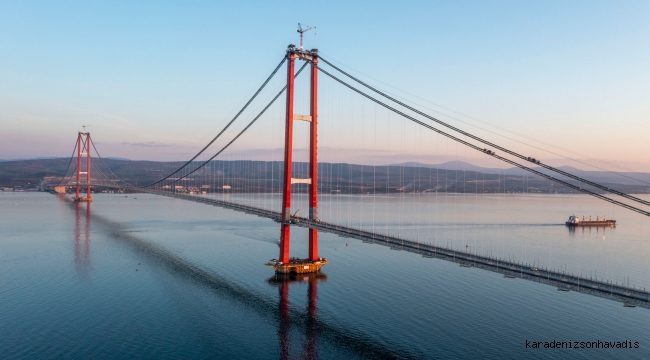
(283, 281)
(82, 246)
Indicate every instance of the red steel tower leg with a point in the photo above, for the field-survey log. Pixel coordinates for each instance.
(88, 164)
(285, 230)
(78, 166)
(313, 161)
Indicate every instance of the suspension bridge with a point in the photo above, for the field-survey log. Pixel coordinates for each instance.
(276, 185)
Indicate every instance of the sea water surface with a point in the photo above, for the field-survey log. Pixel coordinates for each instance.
(143, 276)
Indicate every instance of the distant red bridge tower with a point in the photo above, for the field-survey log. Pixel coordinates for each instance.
(83, 149)
(313, 263)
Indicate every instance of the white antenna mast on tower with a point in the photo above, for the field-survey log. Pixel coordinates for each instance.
(85, 126)
(301, 31)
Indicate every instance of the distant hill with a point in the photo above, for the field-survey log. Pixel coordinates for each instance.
(625, 178)
(37, 158)
(264, 176)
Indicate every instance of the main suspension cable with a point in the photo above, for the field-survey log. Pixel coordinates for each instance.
(109, 169)
(527, 158)
(227, 125)
(518, 134)
(240, 133)
(76, 143)
(486, 151)
(101, 172)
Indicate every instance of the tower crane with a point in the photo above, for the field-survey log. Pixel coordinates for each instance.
(301, 31)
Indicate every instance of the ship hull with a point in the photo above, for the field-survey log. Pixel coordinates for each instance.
(593, 223)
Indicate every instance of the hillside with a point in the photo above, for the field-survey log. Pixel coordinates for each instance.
(265, 176)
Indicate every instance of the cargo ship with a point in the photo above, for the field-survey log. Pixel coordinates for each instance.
(600, 221)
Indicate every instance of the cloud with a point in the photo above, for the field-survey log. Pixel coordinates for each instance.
(150, 144)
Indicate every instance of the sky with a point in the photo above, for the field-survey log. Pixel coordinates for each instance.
(158, 79)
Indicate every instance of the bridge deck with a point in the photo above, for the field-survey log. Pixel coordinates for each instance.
(618, 292)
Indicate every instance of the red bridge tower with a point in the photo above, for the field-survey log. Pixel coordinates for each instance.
(313, 263)
(83, 148)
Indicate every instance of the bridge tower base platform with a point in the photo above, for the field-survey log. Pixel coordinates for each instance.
(297, 266)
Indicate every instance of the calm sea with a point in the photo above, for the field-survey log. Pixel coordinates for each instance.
(147, 277)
